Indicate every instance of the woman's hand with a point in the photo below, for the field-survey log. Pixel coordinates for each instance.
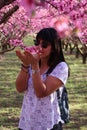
(23, 57)
(27, 57)
(33, 58)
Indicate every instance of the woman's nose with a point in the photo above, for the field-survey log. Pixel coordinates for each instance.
(40, 47)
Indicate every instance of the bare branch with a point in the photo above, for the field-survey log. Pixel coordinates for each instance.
(2, 52)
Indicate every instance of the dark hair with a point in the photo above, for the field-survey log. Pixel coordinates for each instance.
(56, 56)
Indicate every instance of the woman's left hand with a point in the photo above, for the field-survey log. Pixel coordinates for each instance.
(33, 58)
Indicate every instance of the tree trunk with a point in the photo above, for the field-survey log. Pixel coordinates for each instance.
(77, 52)
(84, 56)
(71, 48)
(66, 47)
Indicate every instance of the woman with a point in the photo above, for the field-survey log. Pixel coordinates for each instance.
(39, 78)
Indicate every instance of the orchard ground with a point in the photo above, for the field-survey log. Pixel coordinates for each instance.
(11, 101)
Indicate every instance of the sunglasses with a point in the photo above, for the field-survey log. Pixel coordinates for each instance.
(44, 44)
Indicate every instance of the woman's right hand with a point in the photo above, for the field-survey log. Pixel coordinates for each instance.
(24, 58)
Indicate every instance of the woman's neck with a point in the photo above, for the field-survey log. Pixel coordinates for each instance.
(43, 66)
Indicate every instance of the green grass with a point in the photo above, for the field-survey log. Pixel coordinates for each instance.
(11, 101)
(77, 89)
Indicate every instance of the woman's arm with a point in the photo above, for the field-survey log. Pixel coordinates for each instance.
(56, 79)
(22, 80)
(23, 76)
(41, 88)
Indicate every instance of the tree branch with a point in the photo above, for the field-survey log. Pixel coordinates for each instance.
(8, 14)
(2, 52)
(5, 2)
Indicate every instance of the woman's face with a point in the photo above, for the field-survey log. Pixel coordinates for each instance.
(44, 48)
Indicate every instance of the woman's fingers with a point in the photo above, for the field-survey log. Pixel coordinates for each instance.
(27, 57)
(20, 54)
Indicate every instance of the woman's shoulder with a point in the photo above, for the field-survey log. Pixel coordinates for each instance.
(61, 65)
(60, 68)
(60, 72)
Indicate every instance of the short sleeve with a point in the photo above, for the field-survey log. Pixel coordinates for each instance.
(61, 72)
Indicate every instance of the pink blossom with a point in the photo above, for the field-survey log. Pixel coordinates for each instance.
(30, 5)
(32, 49)
(16, 42)
(62, 26)
(19, 43)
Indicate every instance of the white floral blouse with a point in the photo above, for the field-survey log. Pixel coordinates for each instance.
(42, 113)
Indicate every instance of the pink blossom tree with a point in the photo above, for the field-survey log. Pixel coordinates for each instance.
(69, 17)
